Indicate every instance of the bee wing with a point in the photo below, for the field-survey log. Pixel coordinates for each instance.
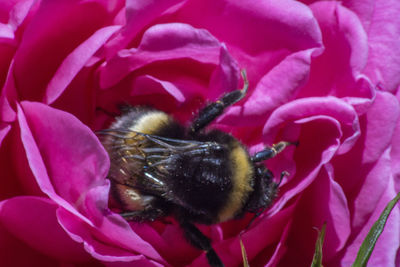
(126, 157)
(144, 161)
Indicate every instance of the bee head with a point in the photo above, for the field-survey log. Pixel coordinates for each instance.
(264, 190)
(264, 187)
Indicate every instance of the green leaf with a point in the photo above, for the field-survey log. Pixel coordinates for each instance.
(244, 255)
(317, 259)
(369, 242)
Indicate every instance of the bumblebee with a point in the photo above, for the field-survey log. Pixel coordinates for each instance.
(160, 168)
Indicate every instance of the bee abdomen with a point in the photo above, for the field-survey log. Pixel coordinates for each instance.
(203, 183)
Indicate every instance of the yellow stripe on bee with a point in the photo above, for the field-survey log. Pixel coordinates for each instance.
(242, 175)
(151, 122)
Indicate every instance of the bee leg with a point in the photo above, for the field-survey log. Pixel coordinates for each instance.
(271, 152)
(200, 241)
(213, 110)
(143, 215)
(131, 215)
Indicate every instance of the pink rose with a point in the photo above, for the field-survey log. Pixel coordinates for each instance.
(323, 73)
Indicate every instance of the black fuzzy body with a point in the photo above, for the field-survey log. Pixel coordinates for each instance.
(199, 183)
(160, 168)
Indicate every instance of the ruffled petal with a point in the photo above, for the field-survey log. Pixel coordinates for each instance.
(59, 148)
(44, 233)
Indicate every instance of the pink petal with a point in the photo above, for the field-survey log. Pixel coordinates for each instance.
(271, 229)
(147, 85)
(74, 100)
(323, 201)
(332, 120)
(15, 12)
(8, 97)
(306, 168)
(378, 129)
(382, 24)
(225, 76)
(4, 130)
(159, 43)
(138, 15)
(365, 174)
(181, 252)
(13, 249)
(386, 248)
(242, 26)
(337, 70)
(44, 41)
(141, 261)
(7, 50)
(276, 88)
(43, 232)
(364, 203)
(316, 106)
(381, 118)
(79, 158)
(6, 34)
(395, 154)
(12, 15)
(192, 53)
(9, 149)
(75, 61)
(111, 240)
